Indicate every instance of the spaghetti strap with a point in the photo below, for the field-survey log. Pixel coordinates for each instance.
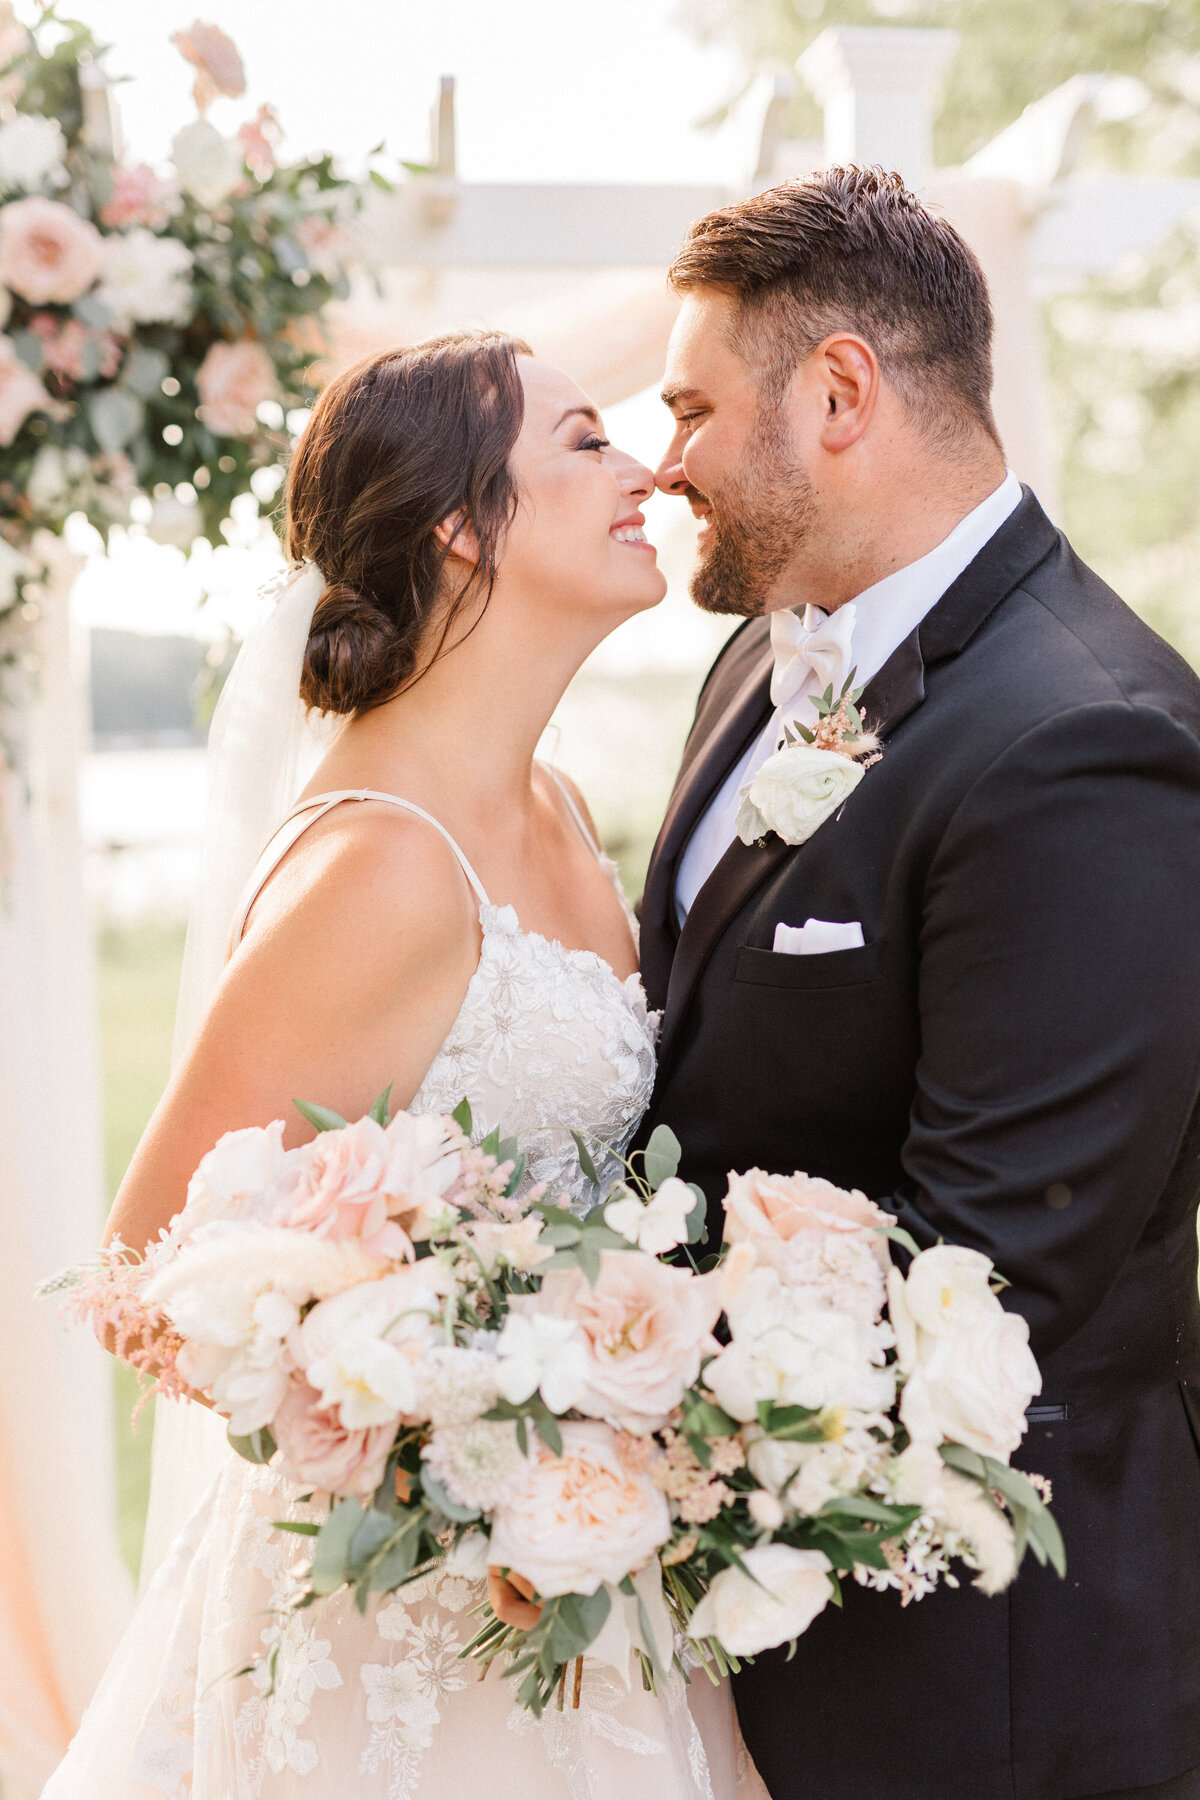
(585, 829)
(307, 813)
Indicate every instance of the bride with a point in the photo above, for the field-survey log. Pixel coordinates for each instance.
(433, 911)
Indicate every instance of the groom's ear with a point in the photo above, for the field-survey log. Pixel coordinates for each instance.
(845, 372)
(457, 537)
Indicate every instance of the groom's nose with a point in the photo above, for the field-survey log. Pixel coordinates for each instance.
(669, 477)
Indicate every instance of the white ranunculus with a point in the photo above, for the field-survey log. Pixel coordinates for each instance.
(775, 1601)
(369, 1381)
(209, 166)
(972, 1386)
(31, 152)
(657, 1225)
(765, 1509)
(794, 792)
(144, 279)
(789, 1346)
(361, 1349)
(536, 1351)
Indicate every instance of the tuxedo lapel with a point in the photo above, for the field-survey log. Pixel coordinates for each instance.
(1023, 541)
(702, 775)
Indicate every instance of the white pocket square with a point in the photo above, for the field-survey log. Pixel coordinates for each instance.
(816, 937)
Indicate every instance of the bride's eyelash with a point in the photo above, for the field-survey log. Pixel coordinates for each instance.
(593, 443)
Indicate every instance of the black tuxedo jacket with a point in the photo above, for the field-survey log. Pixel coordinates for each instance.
(1011, 1062)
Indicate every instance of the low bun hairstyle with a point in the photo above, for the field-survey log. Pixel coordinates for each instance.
(395, 445)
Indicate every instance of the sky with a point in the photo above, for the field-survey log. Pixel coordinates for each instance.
(566, 90)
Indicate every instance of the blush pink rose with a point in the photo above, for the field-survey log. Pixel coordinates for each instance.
(770, 1210)
(341, 1191)
(318, 1449)
(215, 58)
(647, 1325)
(138, 198)
(47, 252)
(21, 393)
(580, 1518)
(233, 381)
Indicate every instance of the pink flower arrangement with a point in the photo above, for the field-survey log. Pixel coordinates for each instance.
(65, 344)
(48, 254)
(214, 56)
(138, 198)
(320, 1450)
(233, 381)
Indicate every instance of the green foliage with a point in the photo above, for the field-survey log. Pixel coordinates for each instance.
(1012, 51)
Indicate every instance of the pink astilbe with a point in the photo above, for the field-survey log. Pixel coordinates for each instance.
(108, 1298)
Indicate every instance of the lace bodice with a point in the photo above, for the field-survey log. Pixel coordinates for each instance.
(548, 1041)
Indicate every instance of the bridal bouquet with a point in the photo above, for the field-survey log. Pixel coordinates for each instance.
(634, 1450)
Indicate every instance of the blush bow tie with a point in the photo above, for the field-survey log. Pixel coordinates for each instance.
(819, 644)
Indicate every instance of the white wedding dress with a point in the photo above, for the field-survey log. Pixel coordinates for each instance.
(381, 1706)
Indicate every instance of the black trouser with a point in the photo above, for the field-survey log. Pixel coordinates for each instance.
(1180, 1787)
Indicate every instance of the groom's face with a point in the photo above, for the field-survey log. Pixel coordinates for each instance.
(733, 459)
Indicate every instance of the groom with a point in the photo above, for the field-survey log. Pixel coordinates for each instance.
(995, 1032)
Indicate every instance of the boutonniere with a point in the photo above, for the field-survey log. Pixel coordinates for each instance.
(812, 772)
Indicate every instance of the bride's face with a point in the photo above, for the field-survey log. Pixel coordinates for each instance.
(577, 541)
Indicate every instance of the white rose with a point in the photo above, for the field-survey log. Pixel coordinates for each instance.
(972, 1386)
(794, 792)
(776, 1601)
(241, 1178)
(31, 151)
(949, 1286)
(144, 279)
(209, 166)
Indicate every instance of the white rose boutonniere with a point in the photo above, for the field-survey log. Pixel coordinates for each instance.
(811, 774)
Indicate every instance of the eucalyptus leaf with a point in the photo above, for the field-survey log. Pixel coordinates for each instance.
(517, 1176)
(577, 1621)
(256, 1447)
(28, 347)
(322, 1117)
(662, 1154)
(697, 1219)
(490, 1145)
(398, 1563)
(331, 1554)
(115, 416)
(561, 1237)
(91, 311)
(897, 1235)
(379, 1109)
(585, 1160)
(372, 1535)
(458, 1515)
(547, 1429)
(144, 370)
(462, 1117)
(588, 1258)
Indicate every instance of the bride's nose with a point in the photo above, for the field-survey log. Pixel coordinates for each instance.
(635, 479)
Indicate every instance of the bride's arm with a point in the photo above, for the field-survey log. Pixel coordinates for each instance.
(352, 971)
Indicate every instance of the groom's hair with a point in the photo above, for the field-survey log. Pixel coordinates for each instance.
(852, 249)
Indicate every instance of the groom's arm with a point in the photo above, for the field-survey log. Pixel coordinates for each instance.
(1059, 998)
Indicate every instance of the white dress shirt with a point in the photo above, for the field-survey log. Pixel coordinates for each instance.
(882, 617)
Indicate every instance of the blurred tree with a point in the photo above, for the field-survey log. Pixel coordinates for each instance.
(1124, 351)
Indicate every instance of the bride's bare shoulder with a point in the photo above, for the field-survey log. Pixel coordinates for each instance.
(367, 878)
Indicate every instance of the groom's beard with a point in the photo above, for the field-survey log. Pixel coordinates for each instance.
(759, 519)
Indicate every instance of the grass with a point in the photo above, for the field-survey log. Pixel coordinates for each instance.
(138, 976)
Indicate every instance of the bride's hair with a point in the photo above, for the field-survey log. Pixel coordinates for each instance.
(396, 445)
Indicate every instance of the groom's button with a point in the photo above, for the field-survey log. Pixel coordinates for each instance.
(817, 937)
